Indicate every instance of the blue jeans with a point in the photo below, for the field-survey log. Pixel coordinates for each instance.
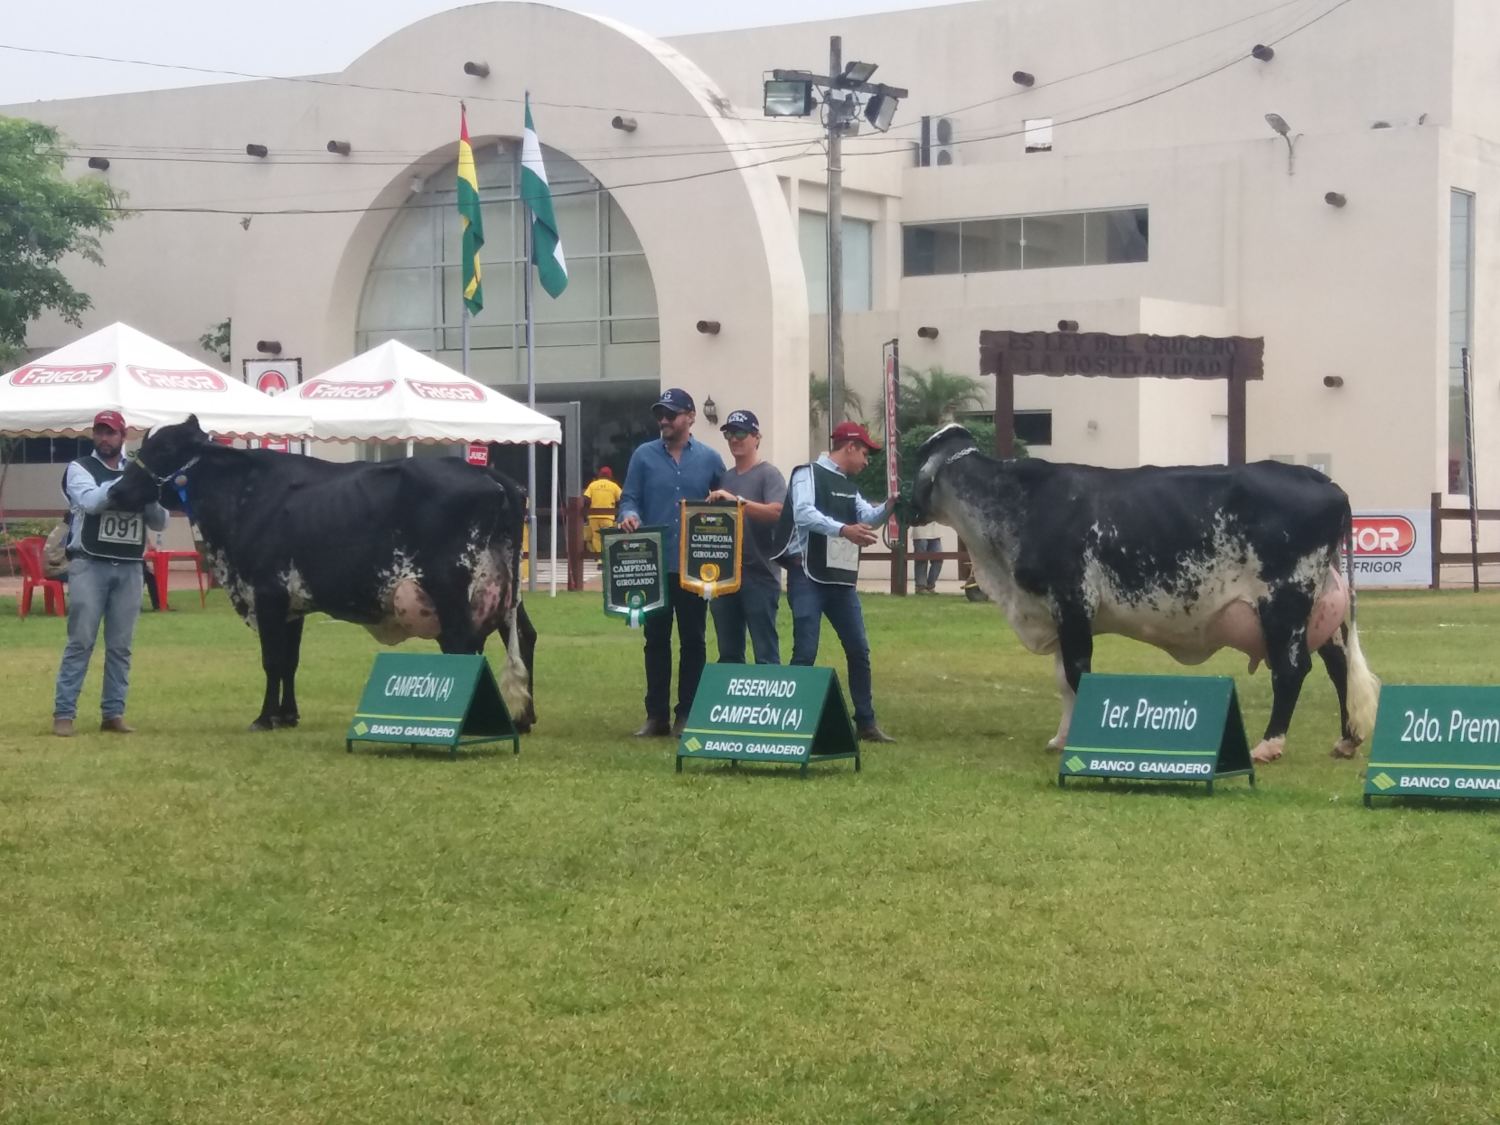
(811, 602)
(753, 607)
(98, 590)
(691, 612)
(925, 571)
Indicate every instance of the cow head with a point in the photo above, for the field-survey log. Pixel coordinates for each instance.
(154, 467)
(934, 453)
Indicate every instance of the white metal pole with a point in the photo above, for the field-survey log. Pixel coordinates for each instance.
(553, 531)
(530, 376)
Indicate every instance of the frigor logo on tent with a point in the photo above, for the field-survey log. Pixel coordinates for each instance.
(158, 379)
(44, 375)
(319, 389)
(447, 392)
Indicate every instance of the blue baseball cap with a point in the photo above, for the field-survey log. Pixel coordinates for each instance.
(674, 399)
(741, 420)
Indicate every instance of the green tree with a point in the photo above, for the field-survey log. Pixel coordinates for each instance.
(216, 340)
(935, 396)
(43, 218)
(817, 402)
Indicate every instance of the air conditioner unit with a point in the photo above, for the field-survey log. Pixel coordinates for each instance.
(943, 135)
(935, 145)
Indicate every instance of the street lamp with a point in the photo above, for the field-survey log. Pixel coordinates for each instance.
(846, 90)
(1284, 131)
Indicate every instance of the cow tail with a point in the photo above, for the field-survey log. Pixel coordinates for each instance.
(1363, 686)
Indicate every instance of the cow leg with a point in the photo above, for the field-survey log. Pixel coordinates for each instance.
(287, 714)
(1283, 621)
(271, 622)
(519, 636)
(457, 633)
(1075, 656)
(1336, 660)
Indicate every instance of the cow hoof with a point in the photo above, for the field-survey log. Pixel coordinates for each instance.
(1344, 748)
(1057, 745)
(287, 720)
(1269, 750)
(263, 724)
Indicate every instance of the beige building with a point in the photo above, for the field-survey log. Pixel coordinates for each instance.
(1134, 185)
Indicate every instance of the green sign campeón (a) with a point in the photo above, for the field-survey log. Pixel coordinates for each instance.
(634, 572)
(1435, 741)
(432, 699)
(768, 713)
(1156, 728)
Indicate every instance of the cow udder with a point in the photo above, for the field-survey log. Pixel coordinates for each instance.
(409, 613)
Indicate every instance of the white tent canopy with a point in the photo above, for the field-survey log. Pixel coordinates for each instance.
(395, 393)
(147, 381)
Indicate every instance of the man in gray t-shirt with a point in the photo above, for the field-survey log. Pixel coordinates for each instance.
(761, 488)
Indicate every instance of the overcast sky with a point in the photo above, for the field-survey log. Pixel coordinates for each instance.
(290, 37)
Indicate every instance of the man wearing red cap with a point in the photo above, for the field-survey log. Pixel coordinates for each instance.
(105, 549)
(822, 528)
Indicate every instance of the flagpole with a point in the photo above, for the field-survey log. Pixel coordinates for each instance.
(530, 376)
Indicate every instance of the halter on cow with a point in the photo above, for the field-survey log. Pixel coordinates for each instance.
(1189, 559)
(419, 548)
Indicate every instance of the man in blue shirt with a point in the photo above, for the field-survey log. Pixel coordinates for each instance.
(661, 475)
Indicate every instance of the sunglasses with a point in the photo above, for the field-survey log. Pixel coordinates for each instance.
(666, 415)
(737, 435)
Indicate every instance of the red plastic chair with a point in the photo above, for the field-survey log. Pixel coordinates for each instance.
(54, 593)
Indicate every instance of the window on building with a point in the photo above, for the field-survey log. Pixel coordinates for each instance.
(1038, 134)
(859, 272)
(1026, 242)
(44, 451)
(1460, 328)
(604, 326)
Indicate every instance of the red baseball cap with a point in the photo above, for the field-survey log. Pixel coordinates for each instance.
(853, 431)
(110, 418)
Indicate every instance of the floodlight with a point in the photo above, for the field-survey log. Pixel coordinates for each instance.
(788, 97)
(879, 111)
(1277, 122)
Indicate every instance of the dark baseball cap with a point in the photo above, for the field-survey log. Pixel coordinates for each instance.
(111, 419)
(853, 431)
(674, 399)
(741, 420)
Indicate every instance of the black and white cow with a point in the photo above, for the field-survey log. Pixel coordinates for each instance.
(1190, 559)
(417, 548)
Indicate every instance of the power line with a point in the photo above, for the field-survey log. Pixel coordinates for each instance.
(806, 150)
(757, 145)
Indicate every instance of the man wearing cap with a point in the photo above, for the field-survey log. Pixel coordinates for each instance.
(599, 500)
(761, 488)
(661, 475)
(105, 549)
(819, 537)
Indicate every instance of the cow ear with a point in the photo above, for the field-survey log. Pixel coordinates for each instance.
(192, 424)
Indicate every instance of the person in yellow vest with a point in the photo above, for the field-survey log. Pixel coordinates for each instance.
(601, 495)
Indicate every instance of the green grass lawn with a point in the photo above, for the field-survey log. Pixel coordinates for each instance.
(198, 923)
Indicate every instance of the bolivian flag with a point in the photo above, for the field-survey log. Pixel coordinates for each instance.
(469, 217)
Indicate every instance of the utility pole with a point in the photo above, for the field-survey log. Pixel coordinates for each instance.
(846, 90)
(836, 125)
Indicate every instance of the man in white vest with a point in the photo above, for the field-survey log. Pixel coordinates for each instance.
(823, 526)
(105, 549)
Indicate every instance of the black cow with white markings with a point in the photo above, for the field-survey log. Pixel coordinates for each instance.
(417, 548)
(1190, 559)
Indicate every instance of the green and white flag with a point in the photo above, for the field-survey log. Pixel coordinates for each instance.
(546, 243)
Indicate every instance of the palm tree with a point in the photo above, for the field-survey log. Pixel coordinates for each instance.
(817, 404)
(933, 397)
